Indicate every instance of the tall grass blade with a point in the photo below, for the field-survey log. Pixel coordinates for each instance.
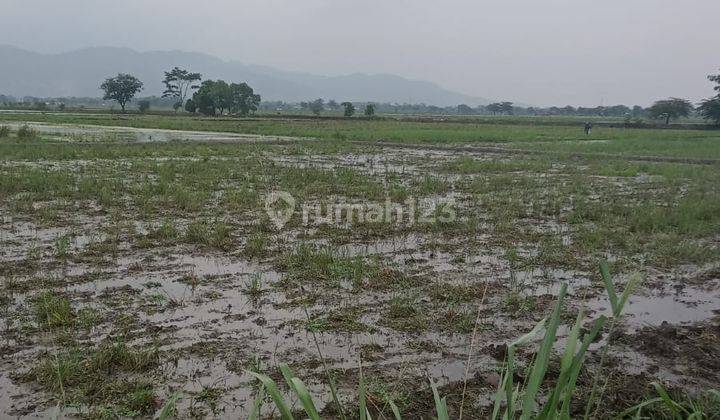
(578, 361)
(170, 408)
(526, 338)
(257, 404)
(609, 286)
(395, 410)
(440, 403)
(543, 356)
(629, 289)
(509, 394)
(671, 405)
(362, 397)
(275, 394)
(305, 399)
(301, 391)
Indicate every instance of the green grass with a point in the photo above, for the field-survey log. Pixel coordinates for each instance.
(513, 131)
(52, 311)
(113, 377)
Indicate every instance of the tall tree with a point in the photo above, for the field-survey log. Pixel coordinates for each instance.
(463, 109)
(349, 109)
(710, 108)
(178, 83)
(507, 108)
(317, 106)
(333, 105)
(216, 96)
(121, 88)
(501, 108)
(369, 110)
(670, 108)
(213, 97)
(243, 99)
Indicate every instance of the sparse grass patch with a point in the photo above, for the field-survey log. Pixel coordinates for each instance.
(405, 314)
(213, 234)
(256, 245)
(53, 311)
(312, 264)
(77, 375)
(25, 132)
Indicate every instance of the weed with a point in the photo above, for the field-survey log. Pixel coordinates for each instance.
(52, 311)
(25, 132)
(256, 245)
(254, 287)
(62, 246)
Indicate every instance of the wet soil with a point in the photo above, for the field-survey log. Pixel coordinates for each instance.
(407, 313)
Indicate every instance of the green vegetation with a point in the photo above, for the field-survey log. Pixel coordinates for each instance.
(135, 273)
(79, 376)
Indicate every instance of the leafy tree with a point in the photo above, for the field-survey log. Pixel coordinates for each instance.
(638, 111)
(333, 105)
(464, 109)
(349, 109)
(501, 108)
(178, 83)
(506, 108)
(190, 106)
(216, 96)
(317, 106)
(710, 108)
(369, 110)
(144, 106)
(213, 97)
(670, 109)
(243, 99)
(715, 78)
(121, 88)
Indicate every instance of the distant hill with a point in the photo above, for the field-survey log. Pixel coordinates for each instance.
(79, 73)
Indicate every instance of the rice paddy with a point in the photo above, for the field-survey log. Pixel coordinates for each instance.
(145, 273)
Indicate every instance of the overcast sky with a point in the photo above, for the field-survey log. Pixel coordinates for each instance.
(541, 52)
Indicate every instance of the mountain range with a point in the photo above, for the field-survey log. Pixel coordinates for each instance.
(79, 73)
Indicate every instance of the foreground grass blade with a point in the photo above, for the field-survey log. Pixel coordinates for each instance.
(440, 403)
(255, 413)
(578, 361)
(275, 394)
(609, 286)
(362, 397)
(543, 356)
(305, 399)
(629, 289)
(526, 338)
(301, 391)
(671, 405)
(395, 410)
(170, 408)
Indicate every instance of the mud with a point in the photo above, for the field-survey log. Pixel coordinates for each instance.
(408, 315)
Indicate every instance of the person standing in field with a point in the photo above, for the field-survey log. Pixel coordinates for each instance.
(588, 128)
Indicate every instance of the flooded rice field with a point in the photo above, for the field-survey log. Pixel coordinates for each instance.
(134, 274)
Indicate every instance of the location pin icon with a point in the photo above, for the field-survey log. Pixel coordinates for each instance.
(280, 214)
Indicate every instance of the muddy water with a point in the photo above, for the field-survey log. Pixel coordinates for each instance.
(193, 302)
(71, 132)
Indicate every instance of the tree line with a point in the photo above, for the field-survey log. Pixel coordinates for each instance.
(319, 105)
(216, 97)
(211, 97)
